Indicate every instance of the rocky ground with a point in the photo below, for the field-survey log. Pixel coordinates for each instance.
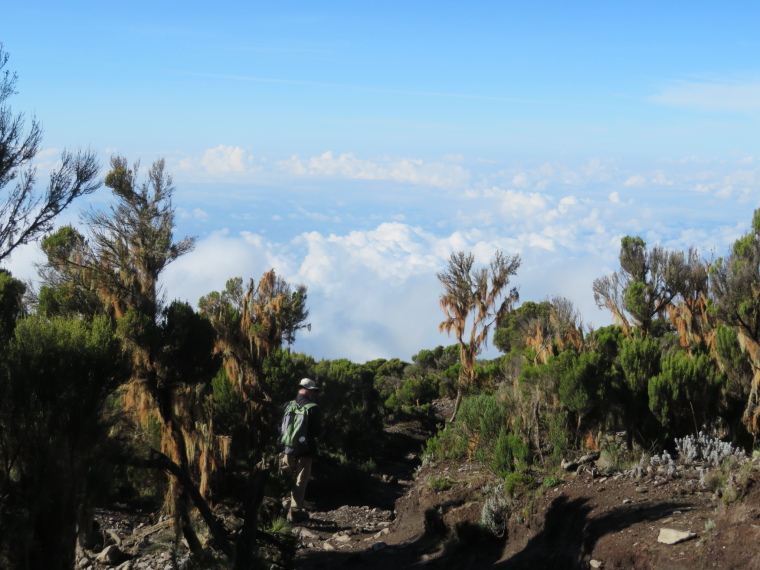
(591, 517)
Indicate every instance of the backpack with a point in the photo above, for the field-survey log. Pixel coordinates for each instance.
(294, 431)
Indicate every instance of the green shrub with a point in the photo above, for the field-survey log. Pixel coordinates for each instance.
(440, 484)
(229, 408)
(518, 479)
(414, 391)
(484, 415)
(433, 448)
(352, 418)
(555, 426)
(509, 451)
(552, 481)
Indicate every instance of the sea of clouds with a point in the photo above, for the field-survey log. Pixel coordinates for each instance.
(367, 236)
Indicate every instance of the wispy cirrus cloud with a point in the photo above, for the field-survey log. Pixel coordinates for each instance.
(731, 97)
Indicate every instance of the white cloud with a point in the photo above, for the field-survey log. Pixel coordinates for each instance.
(660, 179)
(223, 162)
(636, 180)
(516, 204)
(47, 159)
(224, 159)
(521, 180)
(404, 170)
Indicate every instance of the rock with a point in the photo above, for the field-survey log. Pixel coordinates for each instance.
(673, 536)
(641, 489)
(569, 465)
(342, 538)
(595, 564)
(109, 555)
(379, 546)
(84, 563)
(112, 534)
(591, 457)
(303, 532)
(327, 546)
(125, 566)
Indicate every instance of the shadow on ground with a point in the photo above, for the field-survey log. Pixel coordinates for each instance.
(566, 540)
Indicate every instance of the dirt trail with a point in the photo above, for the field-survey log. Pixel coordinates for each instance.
(346, 530)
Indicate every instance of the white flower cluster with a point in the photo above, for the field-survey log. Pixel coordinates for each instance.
(706, 449)
(665, 460)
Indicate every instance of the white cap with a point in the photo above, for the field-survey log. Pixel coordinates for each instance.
(309, 384)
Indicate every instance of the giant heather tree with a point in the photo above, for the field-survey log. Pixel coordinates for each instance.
(251, 325)
(474, 299)
(116, 271)
(645, 287)
(735, 290)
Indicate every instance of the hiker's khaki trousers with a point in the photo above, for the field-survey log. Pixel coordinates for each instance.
(297, 470)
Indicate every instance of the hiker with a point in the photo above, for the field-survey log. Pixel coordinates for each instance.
(300, 427)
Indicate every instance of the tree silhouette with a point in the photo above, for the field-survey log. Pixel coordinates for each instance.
(24, 213)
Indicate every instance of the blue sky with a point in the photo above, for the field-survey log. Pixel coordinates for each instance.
(354, 145)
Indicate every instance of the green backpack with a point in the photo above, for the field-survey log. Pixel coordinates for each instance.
(294, 431)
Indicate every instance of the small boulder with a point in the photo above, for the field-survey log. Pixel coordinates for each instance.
(109, 555)
(589, 458)
(673, 536)
(569, 465)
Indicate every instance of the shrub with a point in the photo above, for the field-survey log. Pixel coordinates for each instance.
(518, 479)
(509, 451)
(495, 514)
(352, 421)
(711, 450)
(440, 484)
(552, 481)
(554, 425)
(484, 415)
(229, 408)
(414, 391)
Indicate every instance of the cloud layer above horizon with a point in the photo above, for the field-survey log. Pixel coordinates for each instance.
(367, 236)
